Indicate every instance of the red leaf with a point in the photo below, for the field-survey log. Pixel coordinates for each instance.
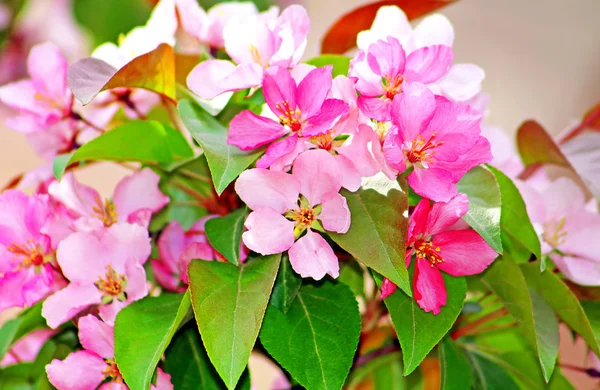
(341, 37)
(536, 146)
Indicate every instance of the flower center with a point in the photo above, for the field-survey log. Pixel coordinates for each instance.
(393, 86)
(107, 212)
(112, 371)
(112, 285)
(323, 141)
(424, 249)
(29, 254)
(256, 56)
(554, 232)
(420, 152)
(290, 118)
(303, 217)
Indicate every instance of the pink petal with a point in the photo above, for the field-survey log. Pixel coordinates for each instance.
(389, 21)
(331, 112)
(248, 131)
(428, 64)
(444, 215)
(48, 69)
(21, 96)
(312, 257)
(479, 154)
(318, 173)
(171, 245)
(163, 380)
(377, 108)
(248, 40)
(27, 348)
(70, 252)
(192, 17)
(279, 89)
(585, 272)
(165, 277)
(428, 287)
(312, 91)
(387, 288)
(464, 252)
(283, 151)
(76, 196)
(393, 151)
(359, 149)
(417, 224)
(11, 289)
(138, 191)
(434, 30)
(295, 18)
(25, 124)
(81, 370)
(350, 176)
(68, 302)
(211, 78)
(386, 58)
(433, 183)
(582, 229)
(260, 188)
(268, 232)
(368, 83)
(563, 197)
(462, 82)
(412, 110)
(96, 336)
(335, 214)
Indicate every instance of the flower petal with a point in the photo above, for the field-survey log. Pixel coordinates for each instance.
(312, 257)
(81, 370)
(350, 176)
(48, 69)
(434, 30)
(462, 82)
(262, 188)
(359, 149)
(335, 214)
(389, 21)
(585, 272)
(211, 78)
(428, 287)
(332, 111)
(313, 90)
(166, 278)
(76, 196)
(464, 252)
(138, 191)
(386, 58)
(268, 232)
(171, 245)
(428, 64)
(96, 336)
(279, 89)
(412, 110)
(248, 131)
(68, 302)
(377, 108)
(387, 288)
(443, 215)
(433, 183)
(318, 173)
(283, 152)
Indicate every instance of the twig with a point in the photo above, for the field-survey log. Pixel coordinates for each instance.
(471, 326)
(364, 359)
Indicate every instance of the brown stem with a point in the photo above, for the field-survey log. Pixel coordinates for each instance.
(364, 359)
(471, 326)
(493, 328)
(591, 118)
(169, 106)
(194, 175)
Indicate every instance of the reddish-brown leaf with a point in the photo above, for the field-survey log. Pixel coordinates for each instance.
(536, 146)
(341, 37)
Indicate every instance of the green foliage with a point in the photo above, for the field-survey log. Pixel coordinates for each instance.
(377, 234)
(316, 340)
(455, 368)
(262, 5)
(286, 287)
(489, 375)
(353, 276)
(12, 330)
(225, 161)
(225, 234)
(229, 304)
(384, 372)
(341, 64)
(143, 330)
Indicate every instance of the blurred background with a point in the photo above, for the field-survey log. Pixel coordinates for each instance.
(541, 58)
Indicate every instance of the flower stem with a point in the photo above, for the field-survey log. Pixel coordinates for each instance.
(472, 326)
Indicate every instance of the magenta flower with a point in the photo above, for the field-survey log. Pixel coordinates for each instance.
(384, 68)
(27, 348)
(303, 110)
(439, 139)
(94, 367)
(135, 198)
(436, 247)
(28, 270)
(287, 206)
(111, 277)
(255, 44)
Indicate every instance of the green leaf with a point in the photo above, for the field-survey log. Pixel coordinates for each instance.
(225, 234)
(481, 186)
(317, 338)
(456, 371)
(14, 329)
(562, 300)
(140, 141)
(418, 331)
(377, 234)
(143, 330)
(229, 303)
(384, 372)
(353, 276)
(60, 163)
(341, 64)
(286, 286)
(534, 317)
(592, 311)
(518, 235)
(189, 366)
(488, 375)
(226, 161)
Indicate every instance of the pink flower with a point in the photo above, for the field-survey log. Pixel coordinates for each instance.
(28, 270)
(43, 100)
(439, 139)
(281, 216)
(95, 365)
(303, 110)
(456, 252)
(27, 348)
(135, 198)
(384, 69)
(568, 228)
(255, 44)
(112, 275)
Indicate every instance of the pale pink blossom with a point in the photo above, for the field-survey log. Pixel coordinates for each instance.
(439, 139)
(27, 348)
(28, 268)
(110, 276)
(283, 220)
(255, 44)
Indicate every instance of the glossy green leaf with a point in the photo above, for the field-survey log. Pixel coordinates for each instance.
(488, 375)
(147, 142)
(341, 64)
(317, 338)
(12, 330)
(535, 319)
(418, 331)
(225, 234)
(518, 235)
(286, 287)
(229, 303)
(481, 186)
(455, 368)
(377, 234)
(592, 311)
(143, 330)
(226, 161)
(189, 366)
(562, 300)
(353, 276)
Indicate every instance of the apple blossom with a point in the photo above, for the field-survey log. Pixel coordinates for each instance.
(27, 348)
